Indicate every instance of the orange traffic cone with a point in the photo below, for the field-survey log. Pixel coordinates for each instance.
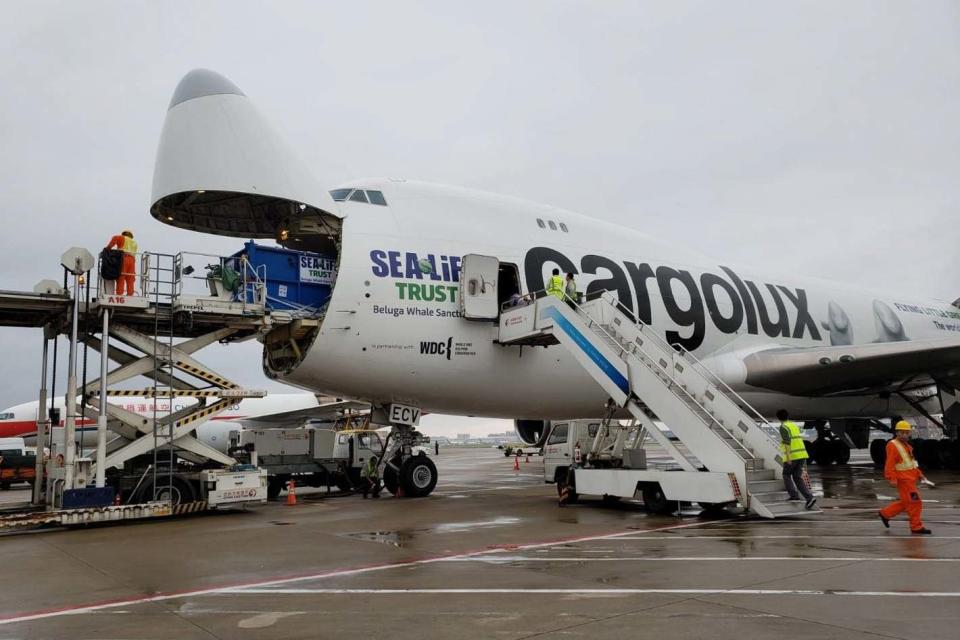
(291, 493)
(516, 463)
(528, 459)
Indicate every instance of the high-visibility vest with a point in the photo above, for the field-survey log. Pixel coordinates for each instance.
(129, 245)
(555, 286)
(907, 461)
(792, 445)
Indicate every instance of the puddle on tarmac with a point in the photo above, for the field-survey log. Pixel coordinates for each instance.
(404, 537)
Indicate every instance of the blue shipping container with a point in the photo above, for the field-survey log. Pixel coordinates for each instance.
(296, 281)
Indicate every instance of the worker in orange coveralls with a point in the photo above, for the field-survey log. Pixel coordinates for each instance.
(902, 471)
(128, 272)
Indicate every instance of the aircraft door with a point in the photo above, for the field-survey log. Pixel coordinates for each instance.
(478, 287)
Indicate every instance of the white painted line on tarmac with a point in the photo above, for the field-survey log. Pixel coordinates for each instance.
(819, 536)
(613, 591)
(135, 600)
(504, 559)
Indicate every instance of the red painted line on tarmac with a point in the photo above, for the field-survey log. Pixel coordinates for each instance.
(170, 595)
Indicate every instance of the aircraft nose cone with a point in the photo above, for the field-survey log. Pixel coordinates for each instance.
(202, 82)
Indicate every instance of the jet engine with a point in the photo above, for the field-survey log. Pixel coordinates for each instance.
(532, 432)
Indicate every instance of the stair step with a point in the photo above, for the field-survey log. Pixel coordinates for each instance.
(757, 476)
(770, 497)
(788, 508)
(764, 486)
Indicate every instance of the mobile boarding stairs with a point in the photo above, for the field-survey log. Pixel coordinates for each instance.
(739, 457)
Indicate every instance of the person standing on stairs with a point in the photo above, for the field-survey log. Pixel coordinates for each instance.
(794, 460)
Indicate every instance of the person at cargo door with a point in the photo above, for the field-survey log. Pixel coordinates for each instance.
(570, 290)
(555, 285)
(794, 453)
(128, 271)
(902, 471)
(370, 476)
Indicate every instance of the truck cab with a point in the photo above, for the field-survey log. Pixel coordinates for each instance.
(559, 449)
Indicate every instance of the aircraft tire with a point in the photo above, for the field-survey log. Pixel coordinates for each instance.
(826, 455)
(841, 452)
(655, 501)
(391, 482)
(878, 453)
(418, 476)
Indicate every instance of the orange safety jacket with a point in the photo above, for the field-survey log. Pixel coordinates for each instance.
(901, 465)
(122, 242)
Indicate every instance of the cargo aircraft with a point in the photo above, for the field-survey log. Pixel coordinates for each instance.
(397, 331)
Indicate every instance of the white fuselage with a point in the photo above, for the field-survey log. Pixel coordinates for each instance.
(393, 331)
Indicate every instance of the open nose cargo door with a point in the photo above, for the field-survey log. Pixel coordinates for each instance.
(222, 169)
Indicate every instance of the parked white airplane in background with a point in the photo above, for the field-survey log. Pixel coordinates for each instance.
(393, 329)
(282, 410)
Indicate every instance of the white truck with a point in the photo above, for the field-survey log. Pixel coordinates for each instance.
(314, 455)
(589, 457)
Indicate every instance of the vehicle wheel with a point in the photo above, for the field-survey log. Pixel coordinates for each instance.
(878, 453)
(274, 486)
(418, 476)
(391, 481)
(841, 452)
(656, 501)
(566, 480)
(179, 491)
(342, 480)
(507, 452)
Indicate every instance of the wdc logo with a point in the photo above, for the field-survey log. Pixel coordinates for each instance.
(432, 348)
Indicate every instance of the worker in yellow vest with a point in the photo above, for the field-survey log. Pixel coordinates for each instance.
(128, 272)
(794, 453)
(902, 471)
(555, 285)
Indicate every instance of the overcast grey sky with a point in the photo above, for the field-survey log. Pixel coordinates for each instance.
(815, 137)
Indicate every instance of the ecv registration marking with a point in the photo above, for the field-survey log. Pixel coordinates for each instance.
(404, 414)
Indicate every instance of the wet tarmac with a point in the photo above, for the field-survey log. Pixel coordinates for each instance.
(491, 555)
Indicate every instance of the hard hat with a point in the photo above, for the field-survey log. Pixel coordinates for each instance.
(903, 425)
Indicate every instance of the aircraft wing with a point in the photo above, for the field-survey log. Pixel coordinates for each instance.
(855, 369)
(295, 418)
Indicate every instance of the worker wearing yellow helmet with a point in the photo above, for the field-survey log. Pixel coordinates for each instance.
(902, 471)
(128, 274)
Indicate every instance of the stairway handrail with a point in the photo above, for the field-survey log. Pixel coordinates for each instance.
(698, 364)
(675, 383)
(710, 374)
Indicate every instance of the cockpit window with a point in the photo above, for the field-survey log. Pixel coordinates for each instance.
(6, 416)
(340, 194)
(376, 197)
(358, 196)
